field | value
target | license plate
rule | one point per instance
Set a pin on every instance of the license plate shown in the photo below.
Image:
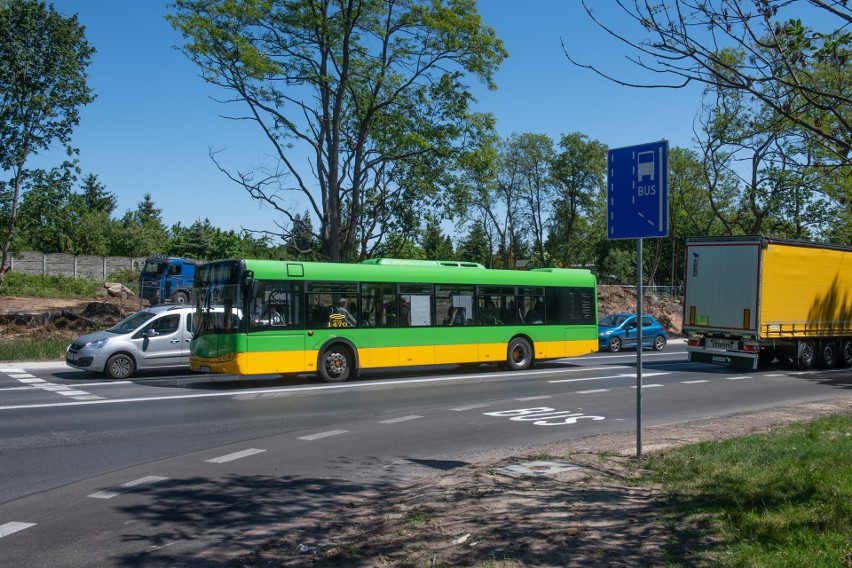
(722, 343)
(204, 369)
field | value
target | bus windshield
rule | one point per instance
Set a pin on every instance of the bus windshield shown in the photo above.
(219, 298)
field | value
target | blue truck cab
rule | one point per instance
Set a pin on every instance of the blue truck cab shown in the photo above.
(167, 279)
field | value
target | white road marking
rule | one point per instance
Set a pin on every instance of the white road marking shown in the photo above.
(621, 376)
(695, 382)
(323, 435)
(650, 386)
(125, 487)
(22, 376)
(533, 398)
(736, 378)
(32, 380)
(400, 419)
(11, 370)
(469, 407)
(593, 391)
(68, 392)
(9, 528)
(235, 456)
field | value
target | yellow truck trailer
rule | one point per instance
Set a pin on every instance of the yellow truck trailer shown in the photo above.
(749, 300)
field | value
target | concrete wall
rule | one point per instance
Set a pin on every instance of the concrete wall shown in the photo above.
(84, 266)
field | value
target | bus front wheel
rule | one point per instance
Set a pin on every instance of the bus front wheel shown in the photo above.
(520, 354)
(335, 364)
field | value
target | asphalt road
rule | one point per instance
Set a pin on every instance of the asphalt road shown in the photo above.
(184, 469)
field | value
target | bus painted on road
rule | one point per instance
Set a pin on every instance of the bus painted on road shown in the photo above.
(269, 317)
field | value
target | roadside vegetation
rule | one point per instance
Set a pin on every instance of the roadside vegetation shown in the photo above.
(29, 349)
(777, 499)
(51, 286)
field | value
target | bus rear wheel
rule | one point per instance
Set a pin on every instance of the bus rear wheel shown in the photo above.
(520, 355)
(335, 364)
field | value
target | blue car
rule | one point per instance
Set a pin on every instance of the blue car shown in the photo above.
(617, 331)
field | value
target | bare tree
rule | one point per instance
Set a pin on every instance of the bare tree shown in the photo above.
(800, 73)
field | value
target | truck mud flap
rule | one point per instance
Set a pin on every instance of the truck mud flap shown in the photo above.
(739, 360)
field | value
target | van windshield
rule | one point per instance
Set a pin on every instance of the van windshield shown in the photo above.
(129, 324)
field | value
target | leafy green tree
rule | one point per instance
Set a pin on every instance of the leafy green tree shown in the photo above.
(362, 86)
(533, 155)
(141, 232)
(89, 214)
(95, 196)
(199, 240)
(476, 246)
(43, 61)
(579, 179)
(397, 246)
(303, 243)
(436, 245)
(44, 223)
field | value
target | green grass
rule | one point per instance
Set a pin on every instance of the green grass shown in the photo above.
(34, 349)
(28, 285)
(769, 500)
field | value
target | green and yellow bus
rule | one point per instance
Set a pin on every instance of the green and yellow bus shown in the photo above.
(265, 317)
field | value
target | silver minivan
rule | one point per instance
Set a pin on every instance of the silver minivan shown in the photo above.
(154, 338)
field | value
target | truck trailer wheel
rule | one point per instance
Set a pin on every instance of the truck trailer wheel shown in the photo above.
(181, 297)
(807, 354)
(846, 353)
(828, 354)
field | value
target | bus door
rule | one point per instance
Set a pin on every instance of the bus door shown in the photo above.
(276, 338)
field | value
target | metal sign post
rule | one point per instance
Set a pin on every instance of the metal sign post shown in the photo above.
(639, 348)
(637, 208)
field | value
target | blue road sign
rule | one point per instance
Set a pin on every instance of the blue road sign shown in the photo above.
(638, 191)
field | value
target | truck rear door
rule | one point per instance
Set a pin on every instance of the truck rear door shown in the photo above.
(722, 287)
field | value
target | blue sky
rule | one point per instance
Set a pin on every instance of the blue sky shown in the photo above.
(154, 119)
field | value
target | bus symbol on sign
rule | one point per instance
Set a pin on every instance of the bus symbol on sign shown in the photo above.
(646, 166)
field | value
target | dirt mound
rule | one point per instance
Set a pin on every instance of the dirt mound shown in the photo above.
(105, 311)
(618, 299)
(60, 318)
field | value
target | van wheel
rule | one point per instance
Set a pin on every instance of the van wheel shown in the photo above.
(846, 353)
(335, 364)
(828, 355)
(120, 366)
(520, 355)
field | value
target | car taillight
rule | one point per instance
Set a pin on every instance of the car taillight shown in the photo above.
(694, 342)
(750, 347)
